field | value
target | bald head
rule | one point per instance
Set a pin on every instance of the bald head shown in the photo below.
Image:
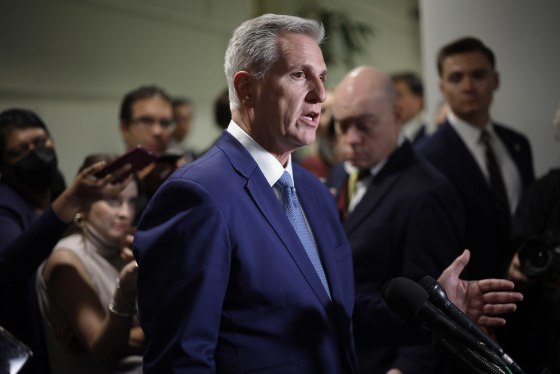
(360, 87)
(366, 115)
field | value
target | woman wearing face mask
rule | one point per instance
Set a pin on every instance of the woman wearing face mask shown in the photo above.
(83, 307)
(31, 222)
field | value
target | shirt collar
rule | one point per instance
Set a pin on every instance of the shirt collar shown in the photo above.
(467, 131)
(267, 163)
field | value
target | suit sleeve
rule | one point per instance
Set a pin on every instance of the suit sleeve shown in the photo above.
(183, 251)
(22, 249)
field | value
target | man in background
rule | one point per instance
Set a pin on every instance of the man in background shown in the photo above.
(146, 119)
(488, 164)
(401, 216)
(183, 114)
(410, 95)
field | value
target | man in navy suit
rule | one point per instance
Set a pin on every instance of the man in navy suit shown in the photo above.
(489, 190)
(225, 284)
(405, 219)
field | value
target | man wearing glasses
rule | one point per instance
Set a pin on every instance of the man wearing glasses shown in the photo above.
(146, 119)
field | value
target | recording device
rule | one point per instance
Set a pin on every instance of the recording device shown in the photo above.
(439, 298)
(410, 301)
(138, 158)
(539, 259)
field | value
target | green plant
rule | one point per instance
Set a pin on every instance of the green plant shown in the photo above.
(345, 37)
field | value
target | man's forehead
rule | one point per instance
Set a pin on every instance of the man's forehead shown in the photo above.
(471, 60)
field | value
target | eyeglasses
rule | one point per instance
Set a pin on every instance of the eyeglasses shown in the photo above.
(148, 121)
(22, 149)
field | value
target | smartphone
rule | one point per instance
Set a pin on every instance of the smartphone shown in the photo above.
(138, 158)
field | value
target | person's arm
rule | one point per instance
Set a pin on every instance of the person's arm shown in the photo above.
(183, 252)
(481, 300)
(22, 249)
(106, 335)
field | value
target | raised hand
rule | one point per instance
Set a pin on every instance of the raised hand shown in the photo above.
(87, 187)
(481, 300)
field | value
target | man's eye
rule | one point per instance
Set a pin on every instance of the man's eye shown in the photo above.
(298, 75)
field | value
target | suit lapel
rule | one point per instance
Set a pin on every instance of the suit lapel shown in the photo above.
(517, 152)
(266, 201)
(379, 186)
(462, 160)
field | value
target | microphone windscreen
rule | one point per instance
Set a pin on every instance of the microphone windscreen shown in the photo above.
(404, 297)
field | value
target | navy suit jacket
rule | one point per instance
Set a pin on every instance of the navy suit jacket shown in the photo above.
(409, 223)
(449, 154)
(26, 240)
(224, 284)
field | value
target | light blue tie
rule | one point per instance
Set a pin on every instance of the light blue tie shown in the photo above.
(295, 215)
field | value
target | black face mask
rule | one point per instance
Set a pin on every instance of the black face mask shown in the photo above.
(36, 170)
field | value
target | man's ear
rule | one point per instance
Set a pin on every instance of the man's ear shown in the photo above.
(243, 82)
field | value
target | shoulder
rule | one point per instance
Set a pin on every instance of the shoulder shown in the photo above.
(508, 133)
(64, 259)
(10, 198)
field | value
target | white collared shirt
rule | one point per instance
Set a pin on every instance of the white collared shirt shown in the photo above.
(471, 136)
(411, 128)
(363, 184)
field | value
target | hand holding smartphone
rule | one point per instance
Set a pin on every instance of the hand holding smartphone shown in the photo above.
(138, 158)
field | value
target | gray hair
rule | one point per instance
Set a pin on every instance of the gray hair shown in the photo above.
(253, 46)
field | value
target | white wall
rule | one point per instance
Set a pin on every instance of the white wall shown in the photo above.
(524, 36)
(73, 60)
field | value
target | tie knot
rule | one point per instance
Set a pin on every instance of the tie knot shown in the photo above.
(285, 182)
(485, 137)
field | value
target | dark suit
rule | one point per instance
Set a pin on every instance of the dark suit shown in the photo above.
(409, 223)
(225, 285)
(420, 135)
(484, 237)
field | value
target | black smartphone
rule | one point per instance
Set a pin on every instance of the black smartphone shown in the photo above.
(138, 158)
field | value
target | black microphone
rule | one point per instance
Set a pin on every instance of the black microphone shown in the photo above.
(410, 301)
(438, 296)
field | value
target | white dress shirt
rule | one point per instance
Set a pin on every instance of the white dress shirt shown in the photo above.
(470, 135)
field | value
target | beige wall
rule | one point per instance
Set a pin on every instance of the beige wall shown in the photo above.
(72, 60)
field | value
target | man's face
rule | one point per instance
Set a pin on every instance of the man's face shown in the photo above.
(19, 142)
(183, 115)
(367, 126)
(467, 84)
(151, 124)
(410, 104)
(288, 100)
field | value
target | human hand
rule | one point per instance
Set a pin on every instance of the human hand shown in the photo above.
(480, 300)
(126, 252)
(87, 187)
(127, 280)
(514, 271)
